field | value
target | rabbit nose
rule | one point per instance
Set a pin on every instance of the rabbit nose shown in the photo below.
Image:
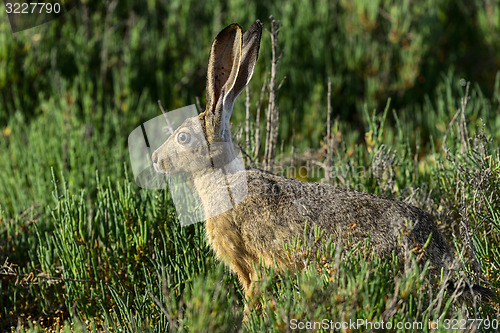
(155, 157)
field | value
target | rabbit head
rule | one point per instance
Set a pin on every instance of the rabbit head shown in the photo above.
(204, 141)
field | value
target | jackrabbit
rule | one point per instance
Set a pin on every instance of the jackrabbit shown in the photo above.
(274, 209)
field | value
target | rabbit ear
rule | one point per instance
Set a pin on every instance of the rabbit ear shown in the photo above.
(249, 55)
(223, 66)
(230, 67)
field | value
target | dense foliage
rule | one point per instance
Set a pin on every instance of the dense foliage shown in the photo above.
(79, 241)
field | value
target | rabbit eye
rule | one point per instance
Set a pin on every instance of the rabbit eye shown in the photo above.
(183, 138)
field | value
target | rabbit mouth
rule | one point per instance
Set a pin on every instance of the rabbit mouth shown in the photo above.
(160, 166)
(166, 167)
(158, 169)
(162, 163)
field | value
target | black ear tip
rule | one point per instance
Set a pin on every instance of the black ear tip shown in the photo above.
(254, 31)
(233, 26)
(256, 25)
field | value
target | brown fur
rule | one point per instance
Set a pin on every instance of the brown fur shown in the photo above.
(276, 209)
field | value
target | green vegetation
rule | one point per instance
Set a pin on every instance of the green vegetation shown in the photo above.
(82, 245)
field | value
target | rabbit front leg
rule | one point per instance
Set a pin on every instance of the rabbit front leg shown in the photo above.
(225, 240)
(248, 278)
(242, 264)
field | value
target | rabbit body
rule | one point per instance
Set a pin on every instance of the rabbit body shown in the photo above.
(276, 210)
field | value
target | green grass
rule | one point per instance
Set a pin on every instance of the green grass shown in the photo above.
(83, 247)
(94, 249)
